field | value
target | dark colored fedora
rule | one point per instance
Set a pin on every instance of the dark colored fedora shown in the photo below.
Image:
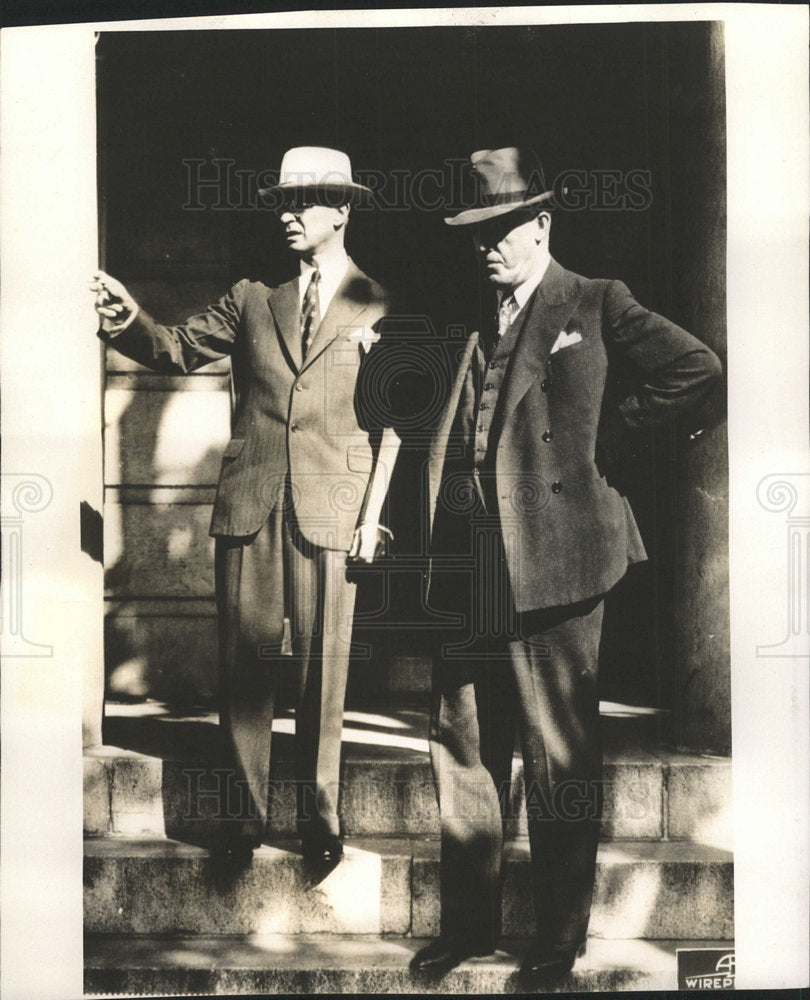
(508, 180)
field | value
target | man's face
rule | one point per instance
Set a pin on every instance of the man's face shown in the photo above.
(310, 227)
(511, 247)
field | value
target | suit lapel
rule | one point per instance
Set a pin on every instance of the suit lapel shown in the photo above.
(438, 447)
(284, 305)
(343, 310)
(545, 315)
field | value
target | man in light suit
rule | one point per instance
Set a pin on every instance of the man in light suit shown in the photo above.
(300, 492)
(526, 539)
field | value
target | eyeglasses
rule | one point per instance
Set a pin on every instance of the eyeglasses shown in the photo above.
(294, 207)
(490, 232)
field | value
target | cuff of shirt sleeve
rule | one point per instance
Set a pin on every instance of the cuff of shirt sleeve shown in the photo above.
(379, 527)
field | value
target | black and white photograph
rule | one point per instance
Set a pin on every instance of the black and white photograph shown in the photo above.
(402, 618)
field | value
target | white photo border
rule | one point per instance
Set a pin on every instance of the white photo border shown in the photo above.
(48, 247)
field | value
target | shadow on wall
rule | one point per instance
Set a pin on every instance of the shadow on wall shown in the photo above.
(160, 634)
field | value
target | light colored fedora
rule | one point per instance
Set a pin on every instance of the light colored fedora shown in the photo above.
(319, 170)
(508, 179)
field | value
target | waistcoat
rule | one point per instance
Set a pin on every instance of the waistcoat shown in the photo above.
(478, 412)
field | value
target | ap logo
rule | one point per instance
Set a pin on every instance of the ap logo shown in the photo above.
(705, 969)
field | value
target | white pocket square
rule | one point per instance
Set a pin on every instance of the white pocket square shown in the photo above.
(365, 336)
(565, 340)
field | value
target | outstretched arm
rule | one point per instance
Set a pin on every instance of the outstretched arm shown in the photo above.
(174, 350)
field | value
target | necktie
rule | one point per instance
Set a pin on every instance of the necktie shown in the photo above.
(310, 312)
(506, 313)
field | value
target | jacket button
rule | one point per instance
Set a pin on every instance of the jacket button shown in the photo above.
(547, 436)
(294, 427)
(487, 386)
(484, 406)
(545, 385)
(299, 387)
(556, 487)
(492, 364)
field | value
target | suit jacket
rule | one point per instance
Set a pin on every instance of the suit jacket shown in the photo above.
(307, 418)
(568, 535)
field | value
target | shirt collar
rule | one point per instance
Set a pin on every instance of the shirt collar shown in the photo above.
(332, 269)
(523, 292)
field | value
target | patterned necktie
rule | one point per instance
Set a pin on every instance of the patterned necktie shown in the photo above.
(506, 313)
(310, 312)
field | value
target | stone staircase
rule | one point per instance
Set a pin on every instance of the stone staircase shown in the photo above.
(161, 918)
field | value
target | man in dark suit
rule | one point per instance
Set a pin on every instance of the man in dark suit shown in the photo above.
(526, 539)
(300, 492)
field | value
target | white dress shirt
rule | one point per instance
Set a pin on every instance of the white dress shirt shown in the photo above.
(523, 292)
(333, 271)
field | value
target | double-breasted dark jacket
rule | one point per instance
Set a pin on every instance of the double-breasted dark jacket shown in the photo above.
(572, 535)
(304, 425)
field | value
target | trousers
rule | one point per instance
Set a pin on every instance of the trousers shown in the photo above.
(260, 579)
(531, 675)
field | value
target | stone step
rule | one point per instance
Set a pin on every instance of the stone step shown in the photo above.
(361, 964)
(644, 889)
(161, 777)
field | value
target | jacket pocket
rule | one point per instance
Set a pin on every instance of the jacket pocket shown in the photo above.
(572, 350)
(233, 448)
(359, 458)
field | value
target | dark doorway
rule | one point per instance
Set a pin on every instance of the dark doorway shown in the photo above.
(190, 121)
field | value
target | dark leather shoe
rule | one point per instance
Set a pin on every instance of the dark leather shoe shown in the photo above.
(547, 965)
(322, 854)
(235, 851)
(445, 953)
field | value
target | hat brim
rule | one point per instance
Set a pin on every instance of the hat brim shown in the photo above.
(471, 216)
(333, 194)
